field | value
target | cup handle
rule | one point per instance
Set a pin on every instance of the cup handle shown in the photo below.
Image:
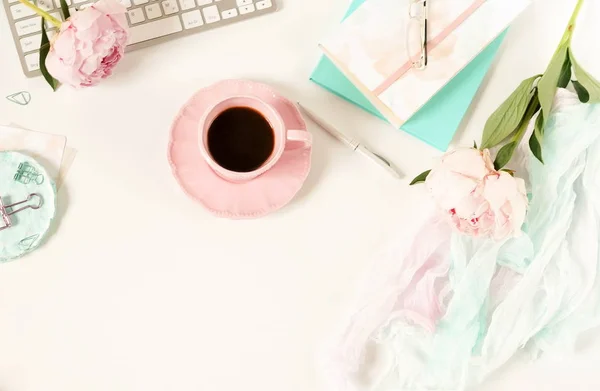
(297, 139)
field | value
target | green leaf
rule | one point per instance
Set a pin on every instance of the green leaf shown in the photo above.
(504, 155)
(511, 172)
(474, 144)
(582, 93)
(565, 73)
(536, 146)
(588, 81)
(506, 119)
(420, 178)
(549, 82)
(539, 124)
(65, 9)
(44, 49)
(537, 137)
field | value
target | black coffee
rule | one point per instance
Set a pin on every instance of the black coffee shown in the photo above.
(240, 139)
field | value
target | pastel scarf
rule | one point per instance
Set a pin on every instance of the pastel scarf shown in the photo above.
(441, 311)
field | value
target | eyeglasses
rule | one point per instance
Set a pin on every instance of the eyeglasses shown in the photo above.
(416, 36)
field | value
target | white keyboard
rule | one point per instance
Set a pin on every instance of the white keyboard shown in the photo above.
(150, 21)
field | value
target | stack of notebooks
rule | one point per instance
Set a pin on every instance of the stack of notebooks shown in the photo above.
(367, 63)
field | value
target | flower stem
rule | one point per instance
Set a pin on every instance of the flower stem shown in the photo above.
(571, 26)
(576, 13)
(533, 108)
(42, 13)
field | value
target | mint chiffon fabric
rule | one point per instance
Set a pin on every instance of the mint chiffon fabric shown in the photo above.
(441, 311)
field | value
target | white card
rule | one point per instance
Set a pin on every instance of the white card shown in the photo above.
(46, 148)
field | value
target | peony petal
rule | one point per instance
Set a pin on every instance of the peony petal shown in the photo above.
(91, 64)
(508, 200)
(468, 162)
(478, 200)
(85, 18)
(61, 72)
(90, 33)
(471, 207)
(90, 44)
(121, 21)
(449, 188)
(498, 188)
(110, 7)
(64, 45)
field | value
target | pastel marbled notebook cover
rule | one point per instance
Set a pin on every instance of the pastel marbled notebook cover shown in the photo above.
(369, 47)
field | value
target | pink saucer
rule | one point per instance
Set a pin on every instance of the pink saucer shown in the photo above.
(258, 197)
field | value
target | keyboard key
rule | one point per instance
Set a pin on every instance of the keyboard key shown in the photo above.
(136, 15)
(211, 14)
(243, 2)
(79, 1)
(170, 7)
(57, 16)
(187, 4)
(204, 2)
(57, 3)
(153, 11)
(247, 9)
(158, 28)
(261, 5)
(84, 6)
(31, 43)
(29, 26)
(20, 10)
(126, 3)
(228, 14)
(192, 19)
(33, 61)
(140, 2)
(45, 5)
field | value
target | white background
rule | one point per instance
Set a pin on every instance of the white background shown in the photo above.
(139, 288)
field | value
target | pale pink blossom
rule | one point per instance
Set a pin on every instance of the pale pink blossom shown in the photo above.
(89, 44)
(478, 200)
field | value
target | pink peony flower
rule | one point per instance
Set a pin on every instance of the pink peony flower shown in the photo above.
(477, 199)
(89, 44)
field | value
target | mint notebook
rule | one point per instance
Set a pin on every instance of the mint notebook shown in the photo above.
(437, 121)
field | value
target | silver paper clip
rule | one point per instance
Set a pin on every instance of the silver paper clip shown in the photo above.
(418, 20)
(6, 215)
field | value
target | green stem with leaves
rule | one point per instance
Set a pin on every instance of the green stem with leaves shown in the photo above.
(507, 125)
(42, 13)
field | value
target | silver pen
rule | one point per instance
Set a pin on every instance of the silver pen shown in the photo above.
(352, 143)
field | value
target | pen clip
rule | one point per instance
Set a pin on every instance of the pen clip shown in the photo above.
(386, 163)
(382, 159)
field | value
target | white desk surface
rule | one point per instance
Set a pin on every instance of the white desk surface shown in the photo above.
(140, 289)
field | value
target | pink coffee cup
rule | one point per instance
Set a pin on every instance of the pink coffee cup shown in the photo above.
(283, 138)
